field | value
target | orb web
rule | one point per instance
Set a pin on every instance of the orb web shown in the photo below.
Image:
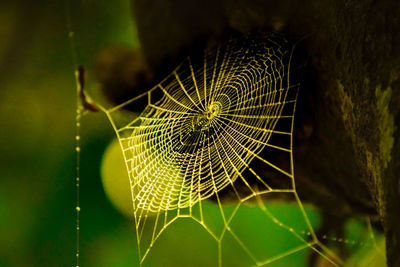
(218, 127)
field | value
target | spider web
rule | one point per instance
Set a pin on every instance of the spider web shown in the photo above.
(218, 127)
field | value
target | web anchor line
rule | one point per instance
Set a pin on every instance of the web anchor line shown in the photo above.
(84, 105)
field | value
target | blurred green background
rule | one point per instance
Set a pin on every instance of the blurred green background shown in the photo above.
(38, 160)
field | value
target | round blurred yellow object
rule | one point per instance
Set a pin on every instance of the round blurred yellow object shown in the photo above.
(116, 180)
